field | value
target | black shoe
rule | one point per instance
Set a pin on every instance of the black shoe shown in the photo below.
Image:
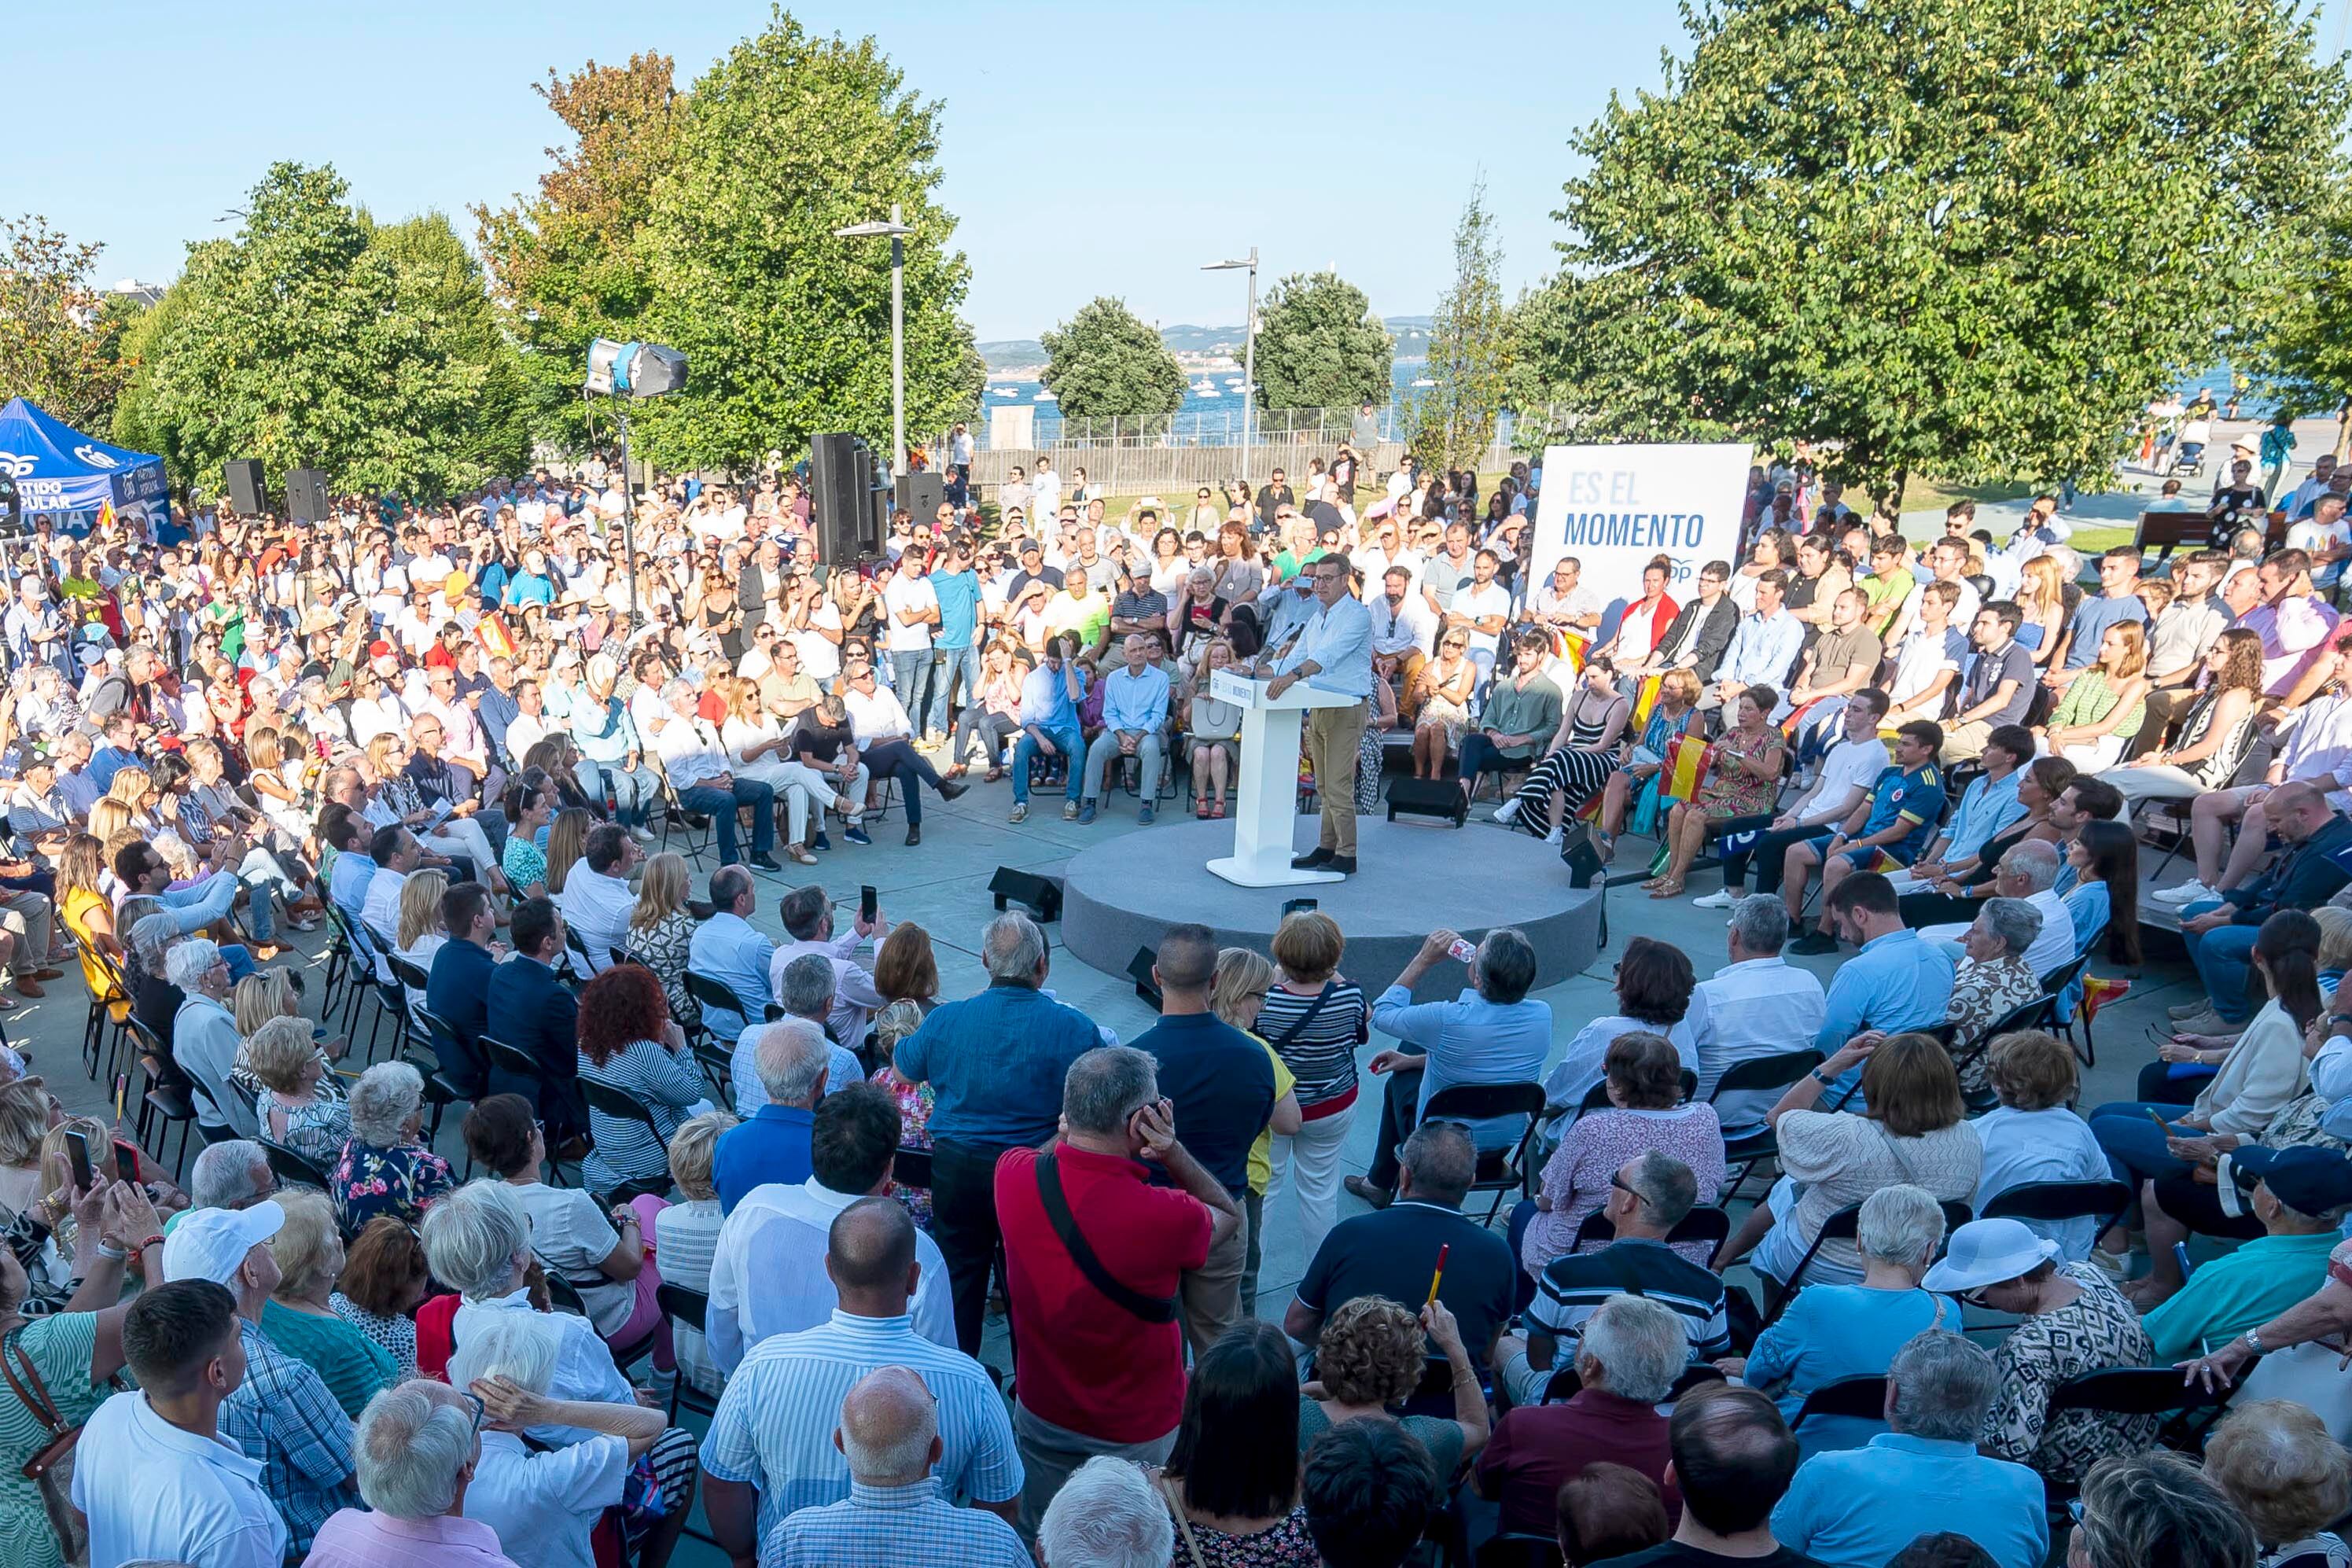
(766, 862)
(1813, 944)
(914, 834)
(1343, 864)
(1319, 856)
(949, 789)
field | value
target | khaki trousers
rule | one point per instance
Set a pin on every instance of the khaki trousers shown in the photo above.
(1333, 736)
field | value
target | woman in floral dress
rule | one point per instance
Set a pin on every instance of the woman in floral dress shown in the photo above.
(1746, 765)
(891, 1025)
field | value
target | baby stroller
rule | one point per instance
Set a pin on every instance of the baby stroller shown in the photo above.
(2188, 459)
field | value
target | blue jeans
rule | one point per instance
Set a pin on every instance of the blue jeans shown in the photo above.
(719, 806)
(1068, 742)
(2134, 1144)
(958, 677)
(267, 881)
(1481, 755)
(919, 693)
(634, 792)
(2224, 961)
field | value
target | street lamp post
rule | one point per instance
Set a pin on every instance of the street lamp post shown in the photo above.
(897, 233)
(1249, 350)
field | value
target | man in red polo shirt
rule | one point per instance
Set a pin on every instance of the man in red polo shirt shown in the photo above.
(1094, 1258)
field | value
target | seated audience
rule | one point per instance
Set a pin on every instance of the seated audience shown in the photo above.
(528, 1008)
(300, 1319)
(1607, 1512)
(2301, 1197)
(2034, 1135)
(2157, 1507)
(1655, 988)
(1645, 1111)
(1108, 1515)
(1368, 1361)
(387, 1168)
(418, 1454)
(1232, 1477)
(793, 1063)
(1756, 1003)
(1991, 982)
(385, 1281)
(630, 1044)
(2292, 1480)
(1732, 1461)
(686, 1235)
(285, 1058)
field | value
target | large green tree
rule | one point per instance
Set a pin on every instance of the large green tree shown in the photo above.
(1938, 236)
(1321, 346)
(564, 263)
(314, 338)
(61, 338)
(2303, 353)
(1105, 363)
(1470, 350)
(787, 329)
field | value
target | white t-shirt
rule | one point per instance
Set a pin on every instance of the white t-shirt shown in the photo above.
(907, 596)
(1473, 603)
(1850, 763)
(543, 1506)
(2312, 536)
(820, 656)
(572, 1236)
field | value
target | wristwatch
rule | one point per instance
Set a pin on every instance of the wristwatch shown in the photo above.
(1817, 1076)
(2253, 1338)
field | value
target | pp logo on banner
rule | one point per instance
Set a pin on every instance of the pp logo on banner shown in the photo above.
(18, 468)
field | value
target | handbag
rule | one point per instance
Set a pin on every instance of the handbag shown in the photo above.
(1168, 1495)
(51, 1468)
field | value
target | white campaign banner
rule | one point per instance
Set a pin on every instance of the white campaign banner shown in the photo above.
(1615, 508)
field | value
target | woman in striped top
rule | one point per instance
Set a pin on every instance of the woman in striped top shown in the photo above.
(628, 1044)
(1314, 1018)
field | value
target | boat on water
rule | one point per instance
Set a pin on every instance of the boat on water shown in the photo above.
(1004, 391)
(1043, 395)
(1206, 388)
(1425, 381)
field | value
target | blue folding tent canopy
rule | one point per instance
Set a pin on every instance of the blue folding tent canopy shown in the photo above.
(62, 473)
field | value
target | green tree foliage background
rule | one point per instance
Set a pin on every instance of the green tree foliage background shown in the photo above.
(1470, 350)
(1940, 236)
(61, 338)
(1319, 345)
(1105, 362)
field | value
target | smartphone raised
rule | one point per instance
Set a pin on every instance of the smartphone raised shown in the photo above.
(126, 1162)
(1295, 906)
(868, 903)
(78, 1160)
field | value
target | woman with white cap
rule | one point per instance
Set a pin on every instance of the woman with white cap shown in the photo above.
(2073, 1321)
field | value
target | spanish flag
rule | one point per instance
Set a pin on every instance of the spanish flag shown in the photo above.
(1687, 758)
(491, 632)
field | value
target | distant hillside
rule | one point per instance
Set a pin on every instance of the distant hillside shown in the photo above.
(1028, 353)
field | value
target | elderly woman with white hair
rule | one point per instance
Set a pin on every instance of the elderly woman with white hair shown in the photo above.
(417, 1450)
(387, 1167)
(520, 1363)
(205, 1038)
(2275, 1460)
(285, 1059)
(1991, 982)
(1830, 1332)
(1107, 1515)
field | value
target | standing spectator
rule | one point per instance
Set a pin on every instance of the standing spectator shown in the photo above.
(995, 1063)
(1733, 1461)
(1857, 1508)
(158, 1481)
(770, 1454)
(2073, 1321)
(1630, 1354)
(279, 1414)
(1489, 1033)
(1223, 1087)
(1314, 1017)
(1094, 1259)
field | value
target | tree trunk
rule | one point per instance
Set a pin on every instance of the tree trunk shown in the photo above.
(2343, 430)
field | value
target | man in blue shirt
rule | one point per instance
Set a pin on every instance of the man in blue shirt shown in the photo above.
(1857, 1508)
(957, 587)
(793, 1058)
(1135, 720)
(995, 1064)
(725, 948)
(1897, 982)
(2117, 601)
(1882, 834)
(1221, 1084)
(1049, 725)
(1986, 807)
(1762, 649)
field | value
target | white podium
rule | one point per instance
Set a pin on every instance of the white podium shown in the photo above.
(1266, 799)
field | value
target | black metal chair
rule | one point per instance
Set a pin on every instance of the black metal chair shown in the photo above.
(2103, 1200)
(675, 817)
(1864, 1397)
(2189, 1409)
(516, 1062)
(711, 993)
(1757, 1073)
(2055, 985)
(1498, 1170)
(295, 1170)
(1704, 1223)
(686, 1308)
(607, 1100)
(1842, 1226)
(911, 1169)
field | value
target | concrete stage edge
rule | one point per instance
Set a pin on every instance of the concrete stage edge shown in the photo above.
(1413, 876)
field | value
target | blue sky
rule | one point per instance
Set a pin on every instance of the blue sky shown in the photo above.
(1099, 148)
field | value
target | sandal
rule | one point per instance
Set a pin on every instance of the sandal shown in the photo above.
(1200, 808)
(799, 855)
(992, 776)
(1217, 810)
(1667, 891)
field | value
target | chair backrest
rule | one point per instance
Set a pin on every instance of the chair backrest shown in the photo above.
(2104, 1200)
(2066, 974)
(711, 993)
(621, 1107)
(562, 1295)
(1480, 1101)
(406, 972)
(511, 1059)
(2134, 1391)
(1698, 1374)
(911, 1168)
(293, 1167)
(1864, 1397)
(1705, 1223)
(1563, 1384)
(1778, 1071)
(689, 1307)
(623, 956)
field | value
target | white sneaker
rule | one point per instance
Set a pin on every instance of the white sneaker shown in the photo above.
(1721, 899)
(643, 835)
(1510, 812)
(2188, 892)
(1558, 834)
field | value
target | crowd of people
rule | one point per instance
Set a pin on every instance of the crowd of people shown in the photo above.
(729, 1147)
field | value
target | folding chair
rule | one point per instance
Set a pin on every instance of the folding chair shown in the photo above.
(1864, 1396)
(675, 816)
(1498, 1170)
(1705, 1223)
(293, 1169)
(2103, 1200)
(2188, 1408)
(2055, 985)
(1777, 1071)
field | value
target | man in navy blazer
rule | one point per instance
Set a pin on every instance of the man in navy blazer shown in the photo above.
(458, 988)
(530, 1009)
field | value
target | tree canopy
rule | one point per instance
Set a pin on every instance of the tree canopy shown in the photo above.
(1321, 346)
(313, 338)
(1936, 236)
(1105, 362)
(1470, 350)
(2303, 352)
(61, 338)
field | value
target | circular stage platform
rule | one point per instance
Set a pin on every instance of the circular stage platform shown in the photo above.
(1412, 879)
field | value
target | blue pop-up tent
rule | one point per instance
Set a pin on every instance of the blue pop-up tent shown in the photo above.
(58, 470)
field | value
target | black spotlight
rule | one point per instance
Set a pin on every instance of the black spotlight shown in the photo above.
(1040, 896)
(1139, 969)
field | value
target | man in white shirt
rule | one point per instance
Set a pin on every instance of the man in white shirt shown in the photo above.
(910, 610)
(807, 914)
(1757, 1004)
(419, 624)
(2300, 500)
(1045, 488)
(396, 854)
(596, 901)
(1484, 605)
(153, 1474)
(2028, 870)
(696, 761)
(1850, 771)
(768, 1274)
(1404, 631)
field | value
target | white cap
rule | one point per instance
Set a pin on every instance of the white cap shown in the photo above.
(211, 1243)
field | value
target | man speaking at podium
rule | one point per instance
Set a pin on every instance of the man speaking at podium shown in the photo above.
(1332, 652)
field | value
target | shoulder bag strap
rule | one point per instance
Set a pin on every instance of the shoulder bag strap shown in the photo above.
(1151, 1309)
(1169, 1494)
(24, 1382)
(1305, 1019)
